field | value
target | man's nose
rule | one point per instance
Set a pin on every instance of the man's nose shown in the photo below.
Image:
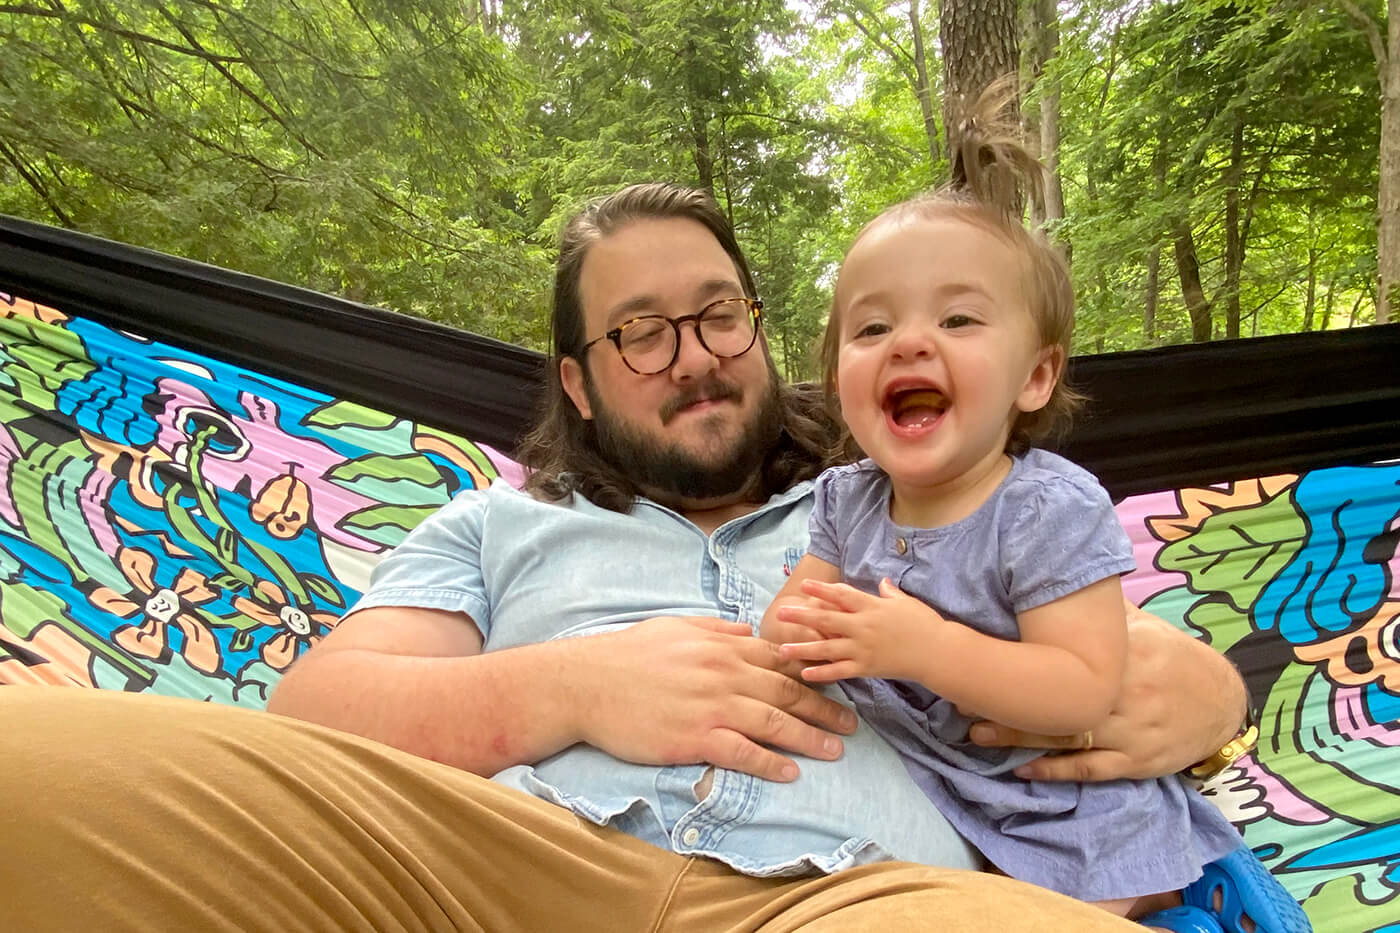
(692, 358)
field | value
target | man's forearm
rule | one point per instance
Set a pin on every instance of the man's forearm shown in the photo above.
(1219, 680)
(481, 713)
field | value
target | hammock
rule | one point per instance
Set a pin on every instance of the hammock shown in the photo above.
(199, 469)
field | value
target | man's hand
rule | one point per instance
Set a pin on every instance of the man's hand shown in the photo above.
(694, 690)
(862, 635)
(1180, 702)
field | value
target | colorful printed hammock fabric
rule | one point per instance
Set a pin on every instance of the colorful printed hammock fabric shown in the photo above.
(173, 523)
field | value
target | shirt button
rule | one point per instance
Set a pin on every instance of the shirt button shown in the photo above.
(690, 836)
(901, 546)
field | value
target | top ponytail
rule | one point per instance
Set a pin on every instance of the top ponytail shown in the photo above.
(991, 165)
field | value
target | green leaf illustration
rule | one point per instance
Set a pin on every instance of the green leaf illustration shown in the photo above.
(225, 581)
(348, 414)
(226, 542)
(324, 589)
(1238, 551)
(414, 467)
(1218, 623)
(386, 524)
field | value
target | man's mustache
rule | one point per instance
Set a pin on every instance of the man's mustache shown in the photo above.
(712, 391)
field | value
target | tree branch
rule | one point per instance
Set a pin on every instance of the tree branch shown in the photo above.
(36, 184)
(246, 91)
(62, 15)
(1373, 35)
(897, 55)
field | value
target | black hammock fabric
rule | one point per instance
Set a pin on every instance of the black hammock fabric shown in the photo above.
(199, 469)
(1159, 418)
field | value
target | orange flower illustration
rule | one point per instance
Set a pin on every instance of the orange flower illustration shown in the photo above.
(162, 607)
(300, 628)
(283, 507)
(136, 465)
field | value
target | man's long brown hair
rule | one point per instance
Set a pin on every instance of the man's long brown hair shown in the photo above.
(560, 453)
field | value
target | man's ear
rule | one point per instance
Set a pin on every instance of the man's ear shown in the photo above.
(571, 375)
(1040, 383)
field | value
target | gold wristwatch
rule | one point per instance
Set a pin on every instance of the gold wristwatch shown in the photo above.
(1232, 751)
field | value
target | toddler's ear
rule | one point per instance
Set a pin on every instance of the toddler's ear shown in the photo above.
(1040, 382)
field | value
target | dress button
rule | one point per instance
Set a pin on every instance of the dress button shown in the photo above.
(690, 836)
(901, 546)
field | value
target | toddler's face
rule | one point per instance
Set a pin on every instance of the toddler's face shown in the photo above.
(937, 350)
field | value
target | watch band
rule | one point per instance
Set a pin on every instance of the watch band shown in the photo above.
(1232, 751)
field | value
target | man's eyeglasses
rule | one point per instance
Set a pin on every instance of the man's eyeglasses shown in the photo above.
(650, 344)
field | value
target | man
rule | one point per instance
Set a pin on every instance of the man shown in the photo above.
(674, 776)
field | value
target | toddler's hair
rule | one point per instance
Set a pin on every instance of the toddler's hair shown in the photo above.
(992, 174)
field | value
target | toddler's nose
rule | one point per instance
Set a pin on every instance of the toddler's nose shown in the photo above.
(912, 342)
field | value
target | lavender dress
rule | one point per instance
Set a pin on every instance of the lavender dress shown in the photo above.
(1047, 531)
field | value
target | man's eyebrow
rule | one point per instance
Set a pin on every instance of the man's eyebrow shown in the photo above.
(632, 307)
(638, 305)
(714, 287)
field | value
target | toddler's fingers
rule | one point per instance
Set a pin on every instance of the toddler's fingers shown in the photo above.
(841, 595)
(830, 673)
(824, 649)
(1098, 764)
(827, 623)
(786, 632)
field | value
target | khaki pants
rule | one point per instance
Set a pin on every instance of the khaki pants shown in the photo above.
(133, 812)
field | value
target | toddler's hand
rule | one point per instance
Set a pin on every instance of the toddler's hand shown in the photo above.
(860, 634)
(779, 632)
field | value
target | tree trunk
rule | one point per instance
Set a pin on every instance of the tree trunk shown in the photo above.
(699, 126)
(1149, 300)
(979, 46)
(1047, 44)
(922, 89)
(1188, 269)
(1327, 305)
(1310, 301)
(1388, 195)
(1234, 243)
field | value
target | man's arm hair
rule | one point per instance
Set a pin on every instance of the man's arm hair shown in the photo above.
(417, 679)
(662, 691)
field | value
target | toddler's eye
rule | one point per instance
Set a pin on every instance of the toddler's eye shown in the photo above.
(872, 330)
(957, 320)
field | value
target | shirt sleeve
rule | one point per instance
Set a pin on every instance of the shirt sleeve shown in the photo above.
(439, 564)
(824, 540)
(1065, 536)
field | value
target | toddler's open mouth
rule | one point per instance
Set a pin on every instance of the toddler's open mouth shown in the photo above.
(914, 406)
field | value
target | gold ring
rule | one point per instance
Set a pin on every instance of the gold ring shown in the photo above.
(1088, 739)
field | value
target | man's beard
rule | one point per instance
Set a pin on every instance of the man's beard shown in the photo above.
(669, 470)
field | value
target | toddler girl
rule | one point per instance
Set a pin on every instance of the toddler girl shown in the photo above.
(977, 576)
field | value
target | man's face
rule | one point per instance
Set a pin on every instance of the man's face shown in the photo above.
(699, 431)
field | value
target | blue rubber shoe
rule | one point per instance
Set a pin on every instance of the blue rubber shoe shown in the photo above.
(1183, 919)
(1243, 887)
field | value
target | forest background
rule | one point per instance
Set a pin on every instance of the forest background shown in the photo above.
(1216, 169)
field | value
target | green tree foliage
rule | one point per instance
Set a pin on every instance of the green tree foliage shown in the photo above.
(1218, 159)
(360, 148)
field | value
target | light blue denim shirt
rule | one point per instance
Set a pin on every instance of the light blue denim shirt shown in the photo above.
(528, 571)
